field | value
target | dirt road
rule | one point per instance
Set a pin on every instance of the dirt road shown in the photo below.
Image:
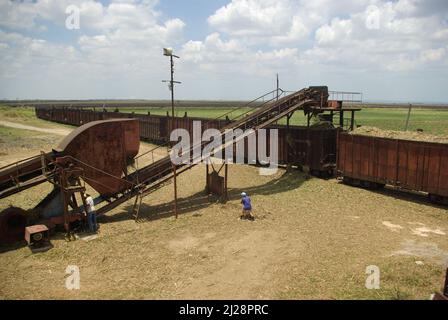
(57, 131)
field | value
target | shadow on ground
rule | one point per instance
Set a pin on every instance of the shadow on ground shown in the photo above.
(403, 194)
(290, 180)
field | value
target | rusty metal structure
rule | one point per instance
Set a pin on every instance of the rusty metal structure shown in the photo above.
(308, 146)
(100, 151)
(97, 153)
(374, 162)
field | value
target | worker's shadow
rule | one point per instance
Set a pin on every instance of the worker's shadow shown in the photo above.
(289, 180)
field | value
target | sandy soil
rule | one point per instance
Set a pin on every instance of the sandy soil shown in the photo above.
(311, 239)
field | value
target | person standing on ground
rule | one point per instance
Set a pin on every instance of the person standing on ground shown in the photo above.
(91, 214)
(247, 207)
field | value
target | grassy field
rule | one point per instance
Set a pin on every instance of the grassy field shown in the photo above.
(434, 121)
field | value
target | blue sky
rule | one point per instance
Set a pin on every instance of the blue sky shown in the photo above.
(389, 50)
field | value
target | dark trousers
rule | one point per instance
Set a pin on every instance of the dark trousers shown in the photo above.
(91, 220)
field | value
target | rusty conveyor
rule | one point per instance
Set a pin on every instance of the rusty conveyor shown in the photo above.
(152, 176)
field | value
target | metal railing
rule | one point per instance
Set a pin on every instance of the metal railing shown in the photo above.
(345, 96)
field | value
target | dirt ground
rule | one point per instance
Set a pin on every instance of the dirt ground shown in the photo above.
(311, 239)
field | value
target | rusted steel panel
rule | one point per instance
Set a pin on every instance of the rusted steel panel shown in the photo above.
(334, 104)
(414, 165)
(103, 146)
(349, 156)
(216, 184)
(13, 221)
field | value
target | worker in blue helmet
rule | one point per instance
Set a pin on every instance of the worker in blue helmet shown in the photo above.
(247, 207)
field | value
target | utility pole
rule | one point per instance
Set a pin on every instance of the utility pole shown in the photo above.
(169, 53)
(277, 86)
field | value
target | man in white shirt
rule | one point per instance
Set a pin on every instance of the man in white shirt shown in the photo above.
(91, 214)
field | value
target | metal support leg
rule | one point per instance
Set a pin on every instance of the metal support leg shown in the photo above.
(137, 205)
(226, 176)
(288, 133)
(352, 121)
(175, 189)
(207, 186)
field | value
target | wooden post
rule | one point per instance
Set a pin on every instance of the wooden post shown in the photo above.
(341, 119)
(175, 190)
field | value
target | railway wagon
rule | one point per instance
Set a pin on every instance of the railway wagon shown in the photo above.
(373, 162)
(313, 148)
(153, 128)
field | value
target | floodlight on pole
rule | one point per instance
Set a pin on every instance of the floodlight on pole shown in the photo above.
(169, 53)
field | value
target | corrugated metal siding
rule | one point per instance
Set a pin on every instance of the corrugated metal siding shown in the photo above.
(414, 165)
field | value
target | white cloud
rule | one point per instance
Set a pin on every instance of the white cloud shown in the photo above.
(433, 54)
(119, 43)
(336, 31)
(234, 56)
(263, 21)
(121, 40)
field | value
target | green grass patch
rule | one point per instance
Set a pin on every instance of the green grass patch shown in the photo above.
(8, 134)
(17, 112)
(434, 121)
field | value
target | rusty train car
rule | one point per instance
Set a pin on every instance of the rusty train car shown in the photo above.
(373, 162)
(313, 148)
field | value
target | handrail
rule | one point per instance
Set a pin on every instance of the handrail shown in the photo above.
(18, 162)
